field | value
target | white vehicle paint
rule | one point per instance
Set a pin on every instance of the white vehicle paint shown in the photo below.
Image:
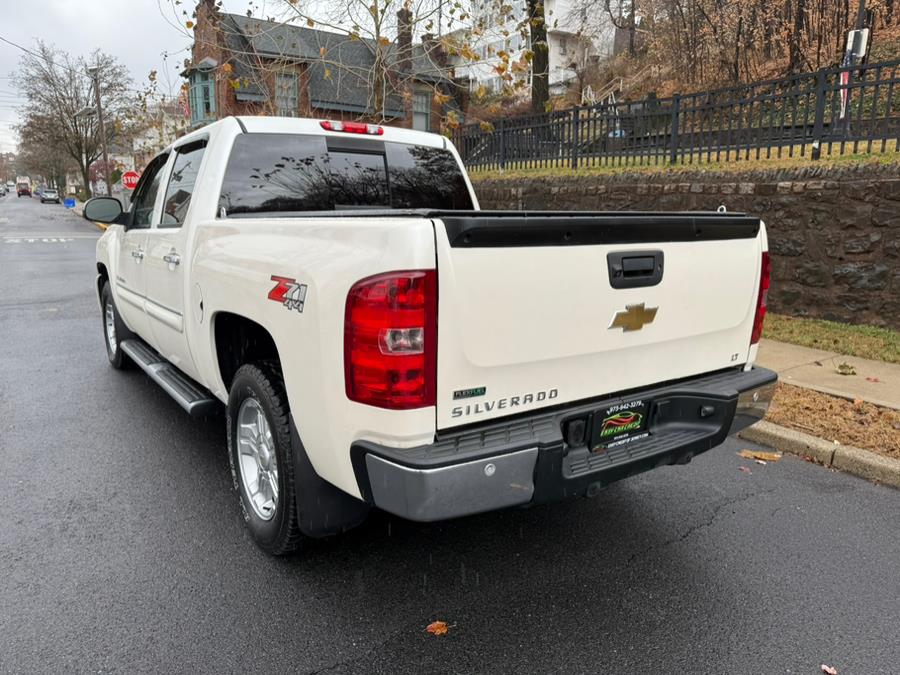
(522, 328)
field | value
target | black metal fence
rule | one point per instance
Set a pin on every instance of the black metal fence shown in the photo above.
(832, 111)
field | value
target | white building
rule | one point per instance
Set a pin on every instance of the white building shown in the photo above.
(575, 41)
(165, 122)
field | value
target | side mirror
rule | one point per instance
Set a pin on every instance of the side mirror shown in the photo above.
(103, 210)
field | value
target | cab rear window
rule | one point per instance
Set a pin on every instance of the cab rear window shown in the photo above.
(286, 173)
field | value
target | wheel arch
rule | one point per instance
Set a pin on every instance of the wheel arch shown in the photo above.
(102, 278)
(238, 340)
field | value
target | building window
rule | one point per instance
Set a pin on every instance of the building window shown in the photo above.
(563, 46)
(286, 103)
(202, 97)
(422, 111)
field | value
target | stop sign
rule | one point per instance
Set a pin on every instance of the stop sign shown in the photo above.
(130, 179)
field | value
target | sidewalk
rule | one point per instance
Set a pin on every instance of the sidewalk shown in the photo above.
(817, 369)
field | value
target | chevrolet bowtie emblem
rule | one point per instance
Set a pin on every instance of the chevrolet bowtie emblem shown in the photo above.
(633, 318)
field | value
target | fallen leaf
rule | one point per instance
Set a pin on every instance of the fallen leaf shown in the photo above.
(873, 379)
(759, 461)
(760, 454)
(858, 402)
(845, 368)
(437, 628)
(745, 469)
(818, 363)
(828, 670)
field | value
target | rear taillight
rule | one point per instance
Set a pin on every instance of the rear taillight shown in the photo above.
(390, 340)
(352, 127)
(765, 277)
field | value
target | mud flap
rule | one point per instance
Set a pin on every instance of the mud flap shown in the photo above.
(322, 509)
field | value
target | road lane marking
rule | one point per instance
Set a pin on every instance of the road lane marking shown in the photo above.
(37, 240)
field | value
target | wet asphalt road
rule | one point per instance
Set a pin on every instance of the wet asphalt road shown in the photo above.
(122, 548)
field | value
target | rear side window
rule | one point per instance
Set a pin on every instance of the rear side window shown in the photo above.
(181, 183)
(284, 173)
(424, 177)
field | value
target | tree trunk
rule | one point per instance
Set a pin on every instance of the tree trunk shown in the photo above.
(86, 179)
(795, 55)
(540, 62)
(631, 30)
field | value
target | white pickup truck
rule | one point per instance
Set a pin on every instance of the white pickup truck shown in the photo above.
(379, 341)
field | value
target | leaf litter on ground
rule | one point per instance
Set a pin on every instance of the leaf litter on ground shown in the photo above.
(760, 455)
(438, 628)
(845, 368)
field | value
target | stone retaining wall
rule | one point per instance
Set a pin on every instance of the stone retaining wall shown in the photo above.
(834, 234)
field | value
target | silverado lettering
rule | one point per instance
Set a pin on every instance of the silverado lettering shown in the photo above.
(501, 403)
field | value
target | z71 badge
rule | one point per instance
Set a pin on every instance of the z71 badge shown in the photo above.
(288, 292)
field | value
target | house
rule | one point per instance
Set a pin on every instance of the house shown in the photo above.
(575, 42)
(247, 66)
(164, 122)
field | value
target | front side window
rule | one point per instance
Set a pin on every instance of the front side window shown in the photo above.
(145, 193)
(181, 183)
(287, 173)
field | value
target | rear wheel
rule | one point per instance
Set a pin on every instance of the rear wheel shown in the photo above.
(114, 330)
(259, 449)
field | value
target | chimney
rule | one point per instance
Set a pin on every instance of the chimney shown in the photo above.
(434, 49)
(404, 41)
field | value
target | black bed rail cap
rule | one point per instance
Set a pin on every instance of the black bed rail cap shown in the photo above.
(486, 229)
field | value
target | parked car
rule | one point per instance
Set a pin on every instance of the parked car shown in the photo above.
(10, 185)
(2, 190)
(49, 195)
(377, 340)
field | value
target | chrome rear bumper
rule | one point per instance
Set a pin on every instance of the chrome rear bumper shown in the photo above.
(533, 459)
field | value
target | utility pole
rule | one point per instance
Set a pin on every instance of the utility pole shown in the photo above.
(95, 76)
(861, 15)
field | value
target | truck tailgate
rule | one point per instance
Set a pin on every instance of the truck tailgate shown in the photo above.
(530, 314)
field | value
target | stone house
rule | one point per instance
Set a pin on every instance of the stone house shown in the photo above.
(246, 66)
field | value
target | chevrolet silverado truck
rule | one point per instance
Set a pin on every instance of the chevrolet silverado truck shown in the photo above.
(377, 340)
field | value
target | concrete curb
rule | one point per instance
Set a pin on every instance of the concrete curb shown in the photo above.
(845, 458)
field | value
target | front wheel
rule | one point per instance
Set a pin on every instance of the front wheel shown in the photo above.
(259, 450)
(114, 330)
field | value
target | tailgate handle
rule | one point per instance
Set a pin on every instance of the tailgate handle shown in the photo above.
(638, 267)
(634, 269)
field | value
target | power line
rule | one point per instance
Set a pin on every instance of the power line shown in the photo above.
(75, 70)
(43, 58)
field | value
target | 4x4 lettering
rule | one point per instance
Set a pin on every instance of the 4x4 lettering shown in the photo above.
(288, 292)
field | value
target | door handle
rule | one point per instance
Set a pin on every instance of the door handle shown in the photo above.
(137, 253)
(172, 258)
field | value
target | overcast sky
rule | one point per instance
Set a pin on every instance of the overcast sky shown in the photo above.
(136, 32)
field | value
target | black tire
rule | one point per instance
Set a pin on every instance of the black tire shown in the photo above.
(280, 534)
(117, 358)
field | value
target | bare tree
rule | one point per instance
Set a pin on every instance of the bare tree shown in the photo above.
(60, 100)
(40, 156)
